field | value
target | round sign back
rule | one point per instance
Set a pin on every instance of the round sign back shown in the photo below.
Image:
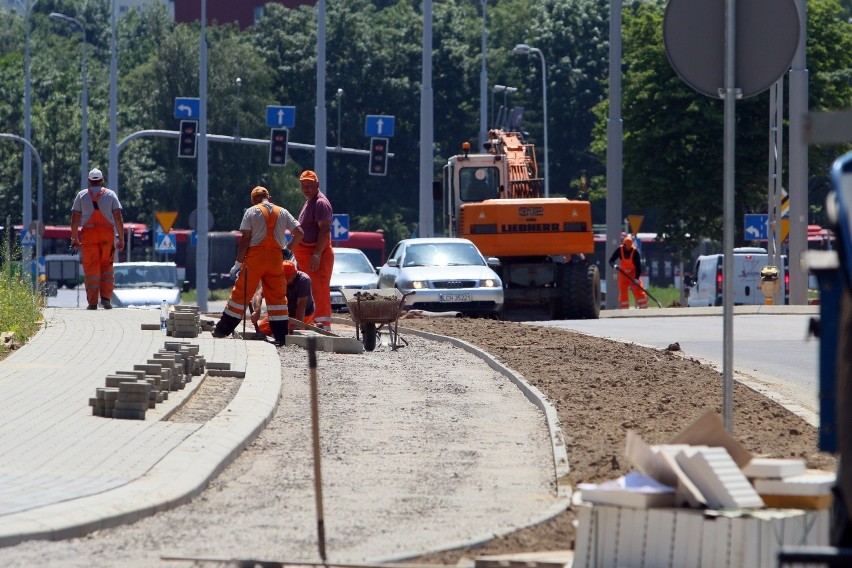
(767, 35)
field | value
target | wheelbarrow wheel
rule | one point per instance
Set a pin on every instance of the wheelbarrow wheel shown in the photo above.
(368, 335)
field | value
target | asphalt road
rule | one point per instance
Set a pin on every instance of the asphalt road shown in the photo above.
(770, 350)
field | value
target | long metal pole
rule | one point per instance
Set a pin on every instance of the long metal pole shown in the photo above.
(315, 438)
(483, 82)
(113, 105)
(84, 156)
(28, 163)
(730, 94)
(614, 129)
(544, 95)
(425, 227)
(321, 118)
(201, 258)
(799, 167)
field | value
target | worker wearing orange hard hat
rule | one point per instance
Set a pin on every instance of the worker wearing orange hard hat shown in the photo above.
(263, 238)
(629, 272)
(314, 254)
(300, 300)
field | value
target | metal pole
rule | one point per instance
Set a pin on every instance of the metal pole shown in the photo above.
(320, 126)
(28, 164)
(425, 227)
(729, 95)
(113, 105)
(483, 82)
(544, 95)
(315, 437)
(614, 130)
(201, 253)
(339, 102)
(798, 184)
(31, 148)
(239, 84)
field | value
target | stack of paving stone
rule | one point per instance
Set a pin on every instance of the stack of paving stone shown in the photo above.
(184, 321)
(129, 394)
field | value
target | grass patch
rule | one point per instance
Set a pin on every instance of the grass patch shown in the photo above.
(20, 306)
(214, 295)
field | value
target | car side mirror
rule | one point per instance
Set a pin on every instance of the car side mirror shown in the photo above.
(393, 263)
(493, 262)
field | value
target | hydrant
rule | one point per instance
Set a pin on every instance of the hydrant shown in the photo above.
(769, 283)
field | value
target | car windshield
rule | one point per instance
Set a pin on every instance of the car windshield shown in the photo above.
(145, 276)
(351, 263)
(442, 254)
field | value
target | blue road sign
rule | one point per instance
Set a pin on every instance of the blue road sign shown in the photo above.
(379, 125)
(166, 243)
(280, 116)
(27, 239)
(187, 107)
(193, 239)
(340, 227)
(756, 226)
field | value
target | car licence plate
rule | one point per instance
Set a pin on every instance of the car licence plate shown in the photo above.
(454, 297)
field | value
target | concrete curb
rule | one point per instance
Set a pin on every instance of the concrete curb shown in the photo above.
(178, 477)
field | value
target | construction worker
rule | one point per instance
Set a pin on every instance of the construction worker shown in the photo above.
(300, 300)
(97, 229)
(314, 254)
(262, 244)
(629, 271)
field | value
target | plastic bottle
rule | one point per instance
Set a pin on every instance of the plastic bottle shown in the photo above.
(164, 316)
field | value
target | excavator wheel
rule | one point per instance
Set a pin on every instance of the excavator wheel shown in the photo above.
(581, 291)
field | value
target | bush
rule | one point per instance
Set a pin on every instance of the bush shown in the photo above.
(20, 305)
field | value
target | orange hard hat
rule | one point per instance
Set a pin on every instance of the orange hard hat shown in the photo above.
(259, 191)
(289, 268)
(308, 175)
(628, 240)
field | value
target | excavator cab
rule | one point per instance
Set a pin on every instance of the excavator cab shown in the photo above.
(479, 184)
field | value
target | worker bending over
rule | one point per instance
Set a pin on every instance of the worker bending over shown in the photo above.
(300, 300)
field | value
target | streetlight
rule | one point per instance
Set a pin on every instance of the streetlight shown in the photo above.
(524, 49)
(28, 183)
(239, 84)
(84, 159)
(339, 97)
(506, 92)
(483, 82)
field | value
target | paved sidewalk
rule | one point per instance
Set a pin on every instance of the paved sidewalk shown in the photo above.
(65, 472)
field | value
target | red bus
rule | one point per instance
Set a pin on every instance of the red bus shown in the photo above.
(372, 243)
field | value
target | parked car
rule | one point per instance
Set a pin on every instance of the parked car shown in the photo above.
(146, 284)
(706, 284)
(352, 269)
(445, 274)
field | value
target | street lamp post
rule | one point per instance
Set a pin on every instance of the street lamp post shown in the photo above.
(506, 92)
(27, 6)
(239, 84)
(483, 82)
(339, 98)
(524, 49)
(84, 159)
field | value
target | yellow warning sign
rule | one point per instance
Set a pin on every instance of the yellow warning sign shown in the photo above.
(785, 228)
(166, 219)
(635, 221)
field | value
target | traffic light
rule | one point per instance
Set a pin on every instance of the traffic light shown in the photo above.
(188, 130)
(378, 156)
(278, 147)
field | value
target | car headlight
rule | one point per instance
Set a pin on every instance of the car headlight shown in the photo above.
(490, 283)
(419, 284)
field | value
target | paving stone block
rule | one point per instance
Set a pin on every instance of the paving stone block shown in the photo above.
(129, 414)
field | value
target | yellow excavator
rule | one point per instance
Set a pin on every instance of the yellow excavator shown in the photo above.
(543, 244)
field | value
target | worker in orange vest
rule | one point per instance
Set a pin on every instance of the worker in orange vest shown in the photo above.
(98, 210)
(300, 300)
(262, 243)
(314, 254)
(629, 272)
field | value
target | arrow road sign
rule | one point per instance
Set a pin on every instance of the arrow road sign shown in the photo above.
(186, 107)
(379, 125)
(756, 227)
(340, 227)
(280, 116)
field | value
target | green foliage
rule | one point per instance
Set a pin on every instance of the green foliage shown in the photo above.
(20, 306)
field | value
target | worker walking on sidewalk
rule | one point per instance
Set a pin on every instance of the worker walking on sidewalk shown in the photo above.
(629, 272)
(314, 254)
(97, 229)
(263, 239)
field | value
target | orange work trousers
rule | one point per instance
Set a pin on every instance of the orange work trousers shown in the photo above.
(626, 283)
(98, 253)
(320, 279)
(262, 265)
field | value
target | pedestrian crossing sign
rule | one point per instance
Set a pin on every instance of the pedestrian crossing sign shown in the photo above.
(27, 239)
(166, 243)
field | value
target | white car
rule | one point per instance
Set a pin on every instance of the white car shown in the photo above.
(146, 284)
(445, 274)
(352, 270)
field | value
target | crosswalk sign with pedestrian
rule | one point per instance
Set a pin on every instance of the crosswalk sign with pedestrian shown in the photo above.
(27, 239)
(166, 243)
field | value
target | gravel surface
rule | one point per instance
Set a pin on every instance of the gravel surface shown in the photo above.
(422, 448)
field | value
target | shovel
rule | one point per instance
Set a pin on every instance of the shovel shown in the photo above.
(638, 283)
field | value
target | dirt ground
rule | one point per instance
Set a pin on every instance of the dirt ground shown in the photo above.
(602, 389)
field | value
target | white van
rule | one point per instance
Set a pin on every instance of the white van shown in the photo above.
(705, 285)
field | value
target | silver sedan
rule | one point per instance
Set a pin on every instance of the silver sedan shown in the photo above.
(445, 274)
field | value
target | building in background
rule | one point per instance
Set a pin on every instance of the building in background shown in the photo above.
(244, 13)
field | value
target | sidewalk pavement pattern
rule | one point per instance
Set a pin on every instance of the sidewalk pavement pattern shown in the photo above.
(65, 472)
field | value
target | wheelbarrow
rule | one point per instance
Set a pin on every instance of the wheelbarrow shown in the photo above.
(372, 310)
